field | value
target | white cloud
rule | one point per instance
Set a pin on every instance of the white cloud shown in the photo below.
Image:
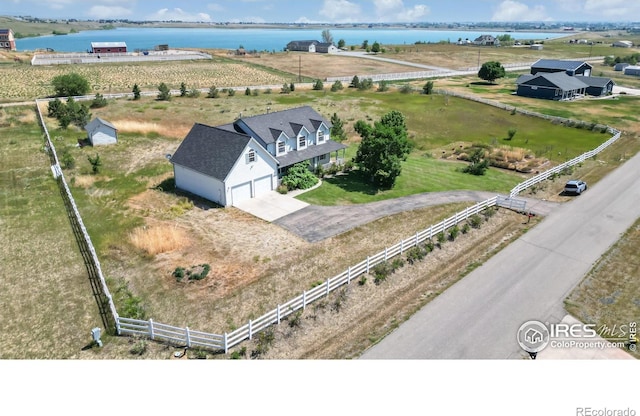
(214, 7)
(179, 14)
(514, 11)
(341, 11)
(395, 11)
(612, 8)
(108, 12)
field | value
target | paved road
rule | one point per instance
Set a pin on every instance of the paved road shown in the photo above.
(315, 223)
(479, 316)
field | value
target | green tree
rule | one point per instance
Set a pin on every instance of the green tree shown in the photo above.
(478, 165)
(55, 107)
(355, 82)
(164, 94)
(286, 89)
(365, 84)
(292, 87)
(70, 85)
(383, 148)
(213, 92)
(99, 101)
(136, 92)
(383, 86)
(68, 161)
(428, 88)
(247, 92)
(318, 85)
(491, 71)
(95, 162)
(337, 86)
(337, 128)
(183, 89)
(375, 48)
(341, 43)
(365, 44)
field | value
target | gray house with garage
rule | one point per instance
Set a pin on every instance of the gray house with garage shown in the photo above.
(572, 68)
(234, 162)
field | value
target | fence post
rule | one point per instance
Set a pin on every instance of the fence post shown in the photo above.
(250, 330)
(188, 335)
(151, 335)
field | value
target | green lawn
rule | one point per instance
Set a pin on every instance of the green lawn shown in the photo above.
(419, 174)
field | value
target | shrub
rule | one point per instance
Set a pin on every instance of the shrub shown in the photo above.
(95, 163)
(286, 89)
(318, 85)
(428, 88)
(383, 86)
(441, 238)
(465, 228)
(99, 101)
(396, 264)
(295, 320)
(475, 221)
(282, 189)
(213, 92)
(488, 213)
(231, 92)
(453, 232)
(265, 341)
(68, 161)
(138, 348)
(178, 273)
(194, 93)
(365, 84)
(363, 280)
(381, 272)
(406, 89)
(183, 89)
(511, 133)
(164, 93)
(299, 177)
(415, 254)
(337, 86)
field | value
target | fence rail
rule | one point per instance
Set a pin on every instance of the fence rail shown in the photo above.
(223, 342)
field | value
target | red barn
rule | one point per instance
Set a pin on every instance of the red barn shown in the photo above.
(108, 47)
(7, 40)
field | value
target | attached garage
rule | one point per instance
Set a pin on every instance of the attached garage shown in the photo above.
(240, 193)
(263, 185)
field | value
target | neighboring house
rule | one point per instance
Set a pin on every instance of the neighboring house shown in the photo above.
(101, 132)
(108, 47)
(621, 66)
(302, 46)
(632, 70)
(486, 40)
(326, 48)
(537, 47)
(238, 161)
(560, 86)
(7, 40)
(556, 65)
(550, 86)
(598, 86)
(622, 44)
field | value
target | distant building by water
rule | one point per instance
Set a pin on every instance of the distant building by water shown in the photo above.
(7, 40)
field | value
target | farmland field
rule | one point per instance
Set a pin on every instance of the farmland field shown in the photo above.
(254, 264)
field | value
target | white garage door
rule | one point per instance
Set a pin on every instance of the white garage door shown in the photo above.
(240, 193)
(262, 185)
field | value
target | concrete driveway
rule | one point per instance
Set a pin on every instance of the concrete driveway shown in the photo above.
(271, 206)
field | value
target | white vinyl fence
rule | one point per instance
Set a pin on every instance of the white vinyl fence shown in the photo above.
(223, 342)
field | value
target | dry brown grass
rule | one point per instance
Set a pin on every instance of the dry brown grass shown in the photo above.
(159, 239)
(145, 127)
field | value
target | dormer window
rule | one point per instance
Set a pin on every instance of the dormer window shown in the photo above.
(302, 142)
(281, 148)
(251, 156)
(320, 136)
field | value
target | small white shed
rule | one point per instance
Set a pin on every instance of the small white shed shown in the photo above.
(101, 132)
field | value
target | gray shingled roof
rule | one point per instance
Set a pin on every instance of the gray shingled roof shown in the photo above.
(596, 81)
(210, 150)
(268, 127)
(98, 120)
(558, 64)
(553, 79)
(292, 158)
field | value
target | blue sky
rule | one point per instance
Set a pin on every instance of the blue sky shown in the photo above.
(331, 11)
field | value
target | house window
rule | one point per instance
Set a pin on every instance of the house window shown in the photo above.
(302, 142)
(320, 136)
(322, 158)
(281, 148)
(251, 156)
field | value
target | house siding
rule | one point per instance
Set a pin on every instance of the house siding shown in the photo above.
(102, 135)
(248, 172)
(538, 92)
(199, 184)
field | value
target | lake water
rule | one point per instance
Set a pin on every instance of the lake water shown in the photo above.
(250, 38)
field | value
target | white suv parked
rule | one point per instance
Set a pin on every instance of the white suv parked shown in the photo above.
(575, 187)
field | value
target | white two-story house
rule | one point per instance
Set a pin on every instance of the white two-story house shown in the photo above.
(234, 162)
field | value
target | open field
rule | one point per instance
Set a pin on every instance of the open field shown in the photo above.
(609, 296)
(254, 265)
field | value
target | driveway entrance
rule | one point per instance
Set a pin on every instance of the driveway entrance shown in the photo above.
(271, 205)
